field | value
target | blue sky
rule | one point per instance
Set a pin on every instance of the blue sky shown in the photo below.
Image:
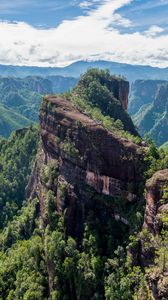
(37, 12)
(51, 13)
(58, 32)
(146, 13)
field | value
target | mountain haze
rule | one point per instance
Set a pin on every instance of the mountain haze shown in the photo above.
(20, 99)
(131, 72)
(148, 107)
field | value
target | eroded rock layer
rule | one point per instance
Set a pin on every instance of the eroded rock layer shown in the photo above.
(157, 201)
(85, 156)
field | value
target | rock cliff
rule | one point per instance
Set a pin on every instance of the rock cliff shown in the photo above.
(157, 201)
(154, 235)
(80, 235)
(149, 108)
(83, 156)
(120, 89)
(143, 92)
(107, 93)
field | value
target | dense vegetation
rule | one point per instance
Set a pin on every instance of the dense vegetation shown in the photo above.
(164, 146)
(20, 99)
(93, 95)
(38, 258)
(11, 120)
(97, 267)
(16, 159)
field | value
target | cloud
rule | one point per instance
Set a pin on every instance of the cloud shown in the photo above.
(85, 4)
(96, 35)
(88, 4)
(154, 30)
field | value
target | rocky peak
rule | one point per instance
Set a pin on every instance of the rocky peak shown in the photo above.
(86, 156)
(153, 237)
(157, 201)
(120, 90)
(107, 93)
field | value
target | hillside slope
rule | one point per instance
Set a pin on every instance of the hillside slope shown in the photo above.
(148, 107)
(11, 120)
(20, 99)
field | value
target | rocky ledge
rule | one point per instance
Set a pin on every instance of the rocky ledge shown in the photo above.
(157, 201)
(86, 156)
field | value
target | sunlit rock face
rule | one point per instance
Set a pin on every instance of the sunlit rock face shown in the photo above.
(87, 157)
(157, 201)
(155, 224)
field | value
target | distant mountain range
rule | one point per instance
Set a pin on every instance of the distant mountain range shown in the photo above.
(131, 72)
(20, 99)
(148, 107)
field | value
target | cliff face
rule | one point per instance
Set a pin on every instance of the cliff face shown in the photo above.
(143, 92)
(85, 203)
(84, 173)
(161, 97)
(120, 89)
(107, 93)
(154, 241)
(157, 201)
(85, 156)
(149, 108)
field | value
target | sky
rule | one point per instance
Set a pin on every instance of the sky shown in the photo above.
(59, 32)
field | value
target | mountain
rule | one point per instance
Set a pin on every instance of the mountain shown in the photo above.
(20, 99)
(61, 84)
(75, 221)
(99, 94)
(11, 120)
(131, 72)
(148, 107)
(23, 95)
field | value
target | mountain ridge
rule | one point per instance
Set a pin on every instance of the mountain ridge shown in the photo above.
(73, 202)
(21, 97)
(148, 107)
(131, 72)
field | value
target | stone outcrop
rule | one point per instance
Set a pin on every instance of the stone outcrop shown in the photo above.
(107, 93)
(157, 201)
(161, 97)
(120, 89)
(152, 241)
(87, 157)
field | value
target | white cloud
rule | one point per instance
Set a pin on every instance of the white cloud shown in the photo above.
(85, 4)
(94, 35)
(154, 30)
(88, 4)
